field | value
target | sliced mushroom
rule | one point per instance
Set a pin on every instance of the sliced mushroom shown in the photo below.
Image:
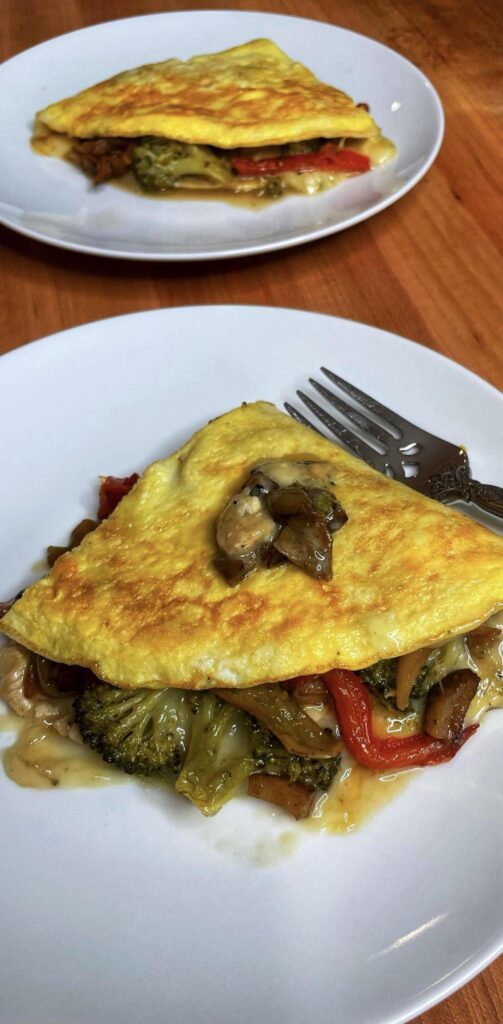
(234, 570)
(305, 538)
(245, 529)
(447, 704)
(281, 714)
(308, 691)
(293, 797)
(259, 483)
(481, 639)
(244, 525)
(55, 679)
(271, 521)
(18, 686)
(327, 504)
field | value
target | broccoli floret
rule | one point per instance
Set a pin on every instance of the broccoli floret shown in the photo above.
(271, 757)
(273, 188)
(381, 678)
(140, 731)
(159, 163)
(227, 745)
(219, 756)
(209, 744)
(421, 685)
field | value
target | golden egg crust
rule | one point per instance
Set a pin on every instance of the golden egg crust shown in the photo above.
(141, 603)
(250, 95)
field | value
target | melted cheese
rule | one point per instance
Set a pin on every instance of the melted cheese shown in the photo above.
(41, 759)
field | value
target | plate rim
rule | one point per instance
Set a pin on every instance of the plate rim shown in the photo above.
(253, 249)
(46, 339)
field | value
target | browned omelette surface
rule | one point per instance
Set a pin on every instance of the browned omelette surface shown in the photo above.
(250, 95)
(141, 603)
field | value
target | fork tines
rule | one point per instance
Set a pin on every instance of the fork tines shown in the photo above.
(378, 437)
(393, 420)
(351, 440)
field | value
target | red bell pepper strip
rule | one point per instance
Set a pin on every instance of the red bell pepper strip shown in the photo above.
(354, 712)
(328, 158)
(112, 489)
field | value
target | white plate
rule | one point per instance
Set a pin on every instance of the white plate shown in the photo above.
(48, 199)
(125, 904)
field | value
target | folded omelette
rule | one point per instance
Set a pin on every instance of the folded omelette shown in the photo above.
(143, 602)
(245, 119)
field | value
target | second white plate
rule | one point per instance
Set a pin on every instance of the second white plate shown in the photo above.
(54, 202)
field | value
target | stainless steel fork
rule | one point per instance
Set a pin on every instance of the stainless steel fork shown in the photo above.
(397, 447)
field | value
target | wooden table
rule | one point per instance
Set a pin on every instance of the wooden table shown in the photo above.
(428, 268)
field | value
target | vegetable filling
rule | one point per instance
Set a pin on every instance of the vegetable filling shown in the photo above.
(160, 165)
(282, 739)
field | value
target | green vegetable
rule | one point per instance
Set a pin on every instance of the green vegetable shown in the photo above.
(209, 744)
(305, 146)
(159, 163)
(271, 757)
(219, 755)
(381, 678)
(140, 731)
(273, 188)
(422, 684)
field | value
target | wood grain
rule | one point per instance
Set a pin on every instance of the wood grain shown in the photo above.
(429, 267)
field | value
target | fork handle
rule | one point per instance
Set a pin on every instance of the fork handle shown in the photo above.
(486, 496)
